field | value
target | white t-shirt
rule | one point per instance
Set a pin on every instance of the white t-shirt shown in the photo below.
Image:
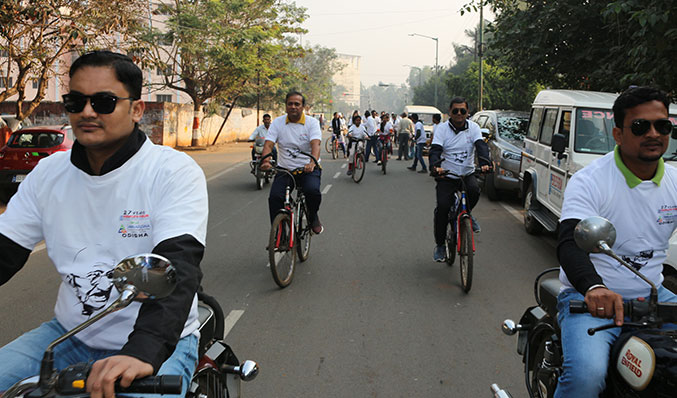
(458, 149)
(644, 217)
(422, 138)
(358, 132)
(90, 223)
(371, 126)
(292, 138)
(259, 132)
(387, 129)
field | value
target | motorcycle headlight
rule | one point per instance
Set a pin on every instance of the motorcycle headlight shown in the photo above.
(511, 155)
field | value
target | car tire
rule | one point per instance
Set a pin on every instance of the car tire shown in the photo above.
(490, 188)
(531, 225)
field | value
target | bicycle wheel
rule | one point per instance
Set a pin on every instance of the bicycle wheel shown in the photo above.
(451, 242)
(358, 167)
(384, 158)
(465, 253)
(303, 234)
(334, 150)
(282, 257)
(327, 145)
(259, 178)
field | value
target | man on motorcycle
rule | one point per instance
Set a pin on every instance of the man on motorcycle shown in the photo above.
(634, 189)
(260, 134)
(113, 195)
(295, 132)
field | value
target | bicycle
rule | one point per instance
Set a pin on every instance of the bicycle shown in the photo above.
(385, 149)
(357, 164)
(290, 232)
(460, 236)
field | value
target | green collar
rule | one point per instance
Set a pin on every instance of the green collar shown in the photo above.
(631, 179)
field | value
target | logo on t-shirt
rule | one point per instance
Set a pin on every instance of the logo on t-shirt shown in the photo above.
(667, 214)
(640, 260)
(134, 224)
(459, 157)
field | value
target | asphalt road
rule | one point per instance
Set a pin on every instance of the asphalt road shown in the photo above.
(369, 314)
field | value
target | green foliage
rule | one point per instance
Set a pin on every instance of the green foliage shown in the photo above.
(582, 44)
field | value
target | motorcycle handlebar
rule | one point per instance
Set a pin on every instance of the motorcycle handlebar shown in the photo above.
(634, 309)
(167, 384)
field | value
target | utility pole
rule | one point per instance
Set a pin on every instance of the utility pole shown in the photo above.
(481, 55)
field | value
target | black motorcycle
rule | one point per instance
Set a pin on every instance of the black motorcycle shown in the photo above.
(644, 357)
(260, 175)
(138, 278)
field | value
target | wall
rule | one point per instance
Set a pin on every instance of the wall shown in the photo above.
(165, 123)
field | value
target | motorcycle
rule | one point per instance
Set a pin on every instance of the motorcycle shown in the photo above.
(643, 358)
(139, 278)
(261, 175)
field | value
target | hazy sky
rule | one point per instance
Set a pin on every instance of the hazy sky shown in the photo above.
(377, 30)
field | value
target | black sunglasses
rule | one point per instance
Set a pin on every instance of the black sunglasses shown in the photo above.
(639, 127)
(102, 103)
(455, 111)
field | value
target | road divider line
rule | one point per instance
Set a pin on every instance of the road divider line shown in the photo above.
(230, 321)
(515, 213)
(228, 170)
(344, 165)
(337, 175)
(326, 189)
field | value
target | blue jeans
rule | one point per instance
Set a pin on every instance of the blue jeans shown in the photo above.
(21, 358)
(419, 156)
(586, 358)
(309, 182)
(372, 145)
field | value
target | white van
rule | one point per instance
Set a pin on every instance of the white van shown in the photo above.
(567, 130)
(425, 115)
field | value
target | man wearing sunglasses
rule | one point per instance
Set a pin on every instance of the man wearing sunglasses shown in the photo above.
(453, 148)
(634, 189)
(117, 195)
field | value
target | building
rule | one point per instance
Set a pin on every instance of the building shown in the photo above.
(349, 79)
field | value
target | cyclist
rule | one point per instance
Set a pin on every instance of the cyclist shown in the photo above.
(356, 131)
(384, 132)
(260, 134)
(636, 191)
(295, 132)
(453, 148)
(337, 127)
(370, 124)
(125, 196)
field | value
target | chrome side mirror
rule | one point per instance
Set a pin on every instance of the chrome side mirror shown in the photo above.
(595, 235)
(152, 275)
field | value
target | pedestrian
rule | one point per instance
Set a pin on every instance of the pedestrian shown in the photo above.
(420, 139)
(437, 118)
(405, 131)
(371, 135)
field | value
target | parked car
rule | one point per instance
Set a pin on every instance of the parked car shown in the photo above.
(504, 131)
(24, 150)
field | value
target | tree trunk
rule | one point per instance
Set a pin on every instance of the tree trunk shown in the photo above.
(225, 119)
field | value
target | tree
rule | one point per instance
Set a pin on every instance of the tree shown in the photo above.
(35, 35)
(314, 76)
(587, 44)
(219, 50)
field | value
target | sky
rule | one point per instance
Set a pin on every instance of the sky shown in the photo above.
(378, 31)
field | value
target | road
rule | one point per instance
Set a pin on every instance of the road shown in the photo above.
(369, 314)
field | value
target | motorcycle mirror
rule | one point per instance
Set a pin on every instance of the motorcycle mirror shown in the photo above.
(152, 275)
(592, 233)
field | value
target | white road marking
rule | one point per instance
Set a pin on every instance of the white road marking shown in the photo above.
(217, 175)
(344, 165)
(337, 175)
(326, 189)
(231, 320)
(515, 213)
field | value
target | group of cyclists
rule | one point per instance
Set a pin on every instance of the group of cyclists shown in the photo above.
(126, 195)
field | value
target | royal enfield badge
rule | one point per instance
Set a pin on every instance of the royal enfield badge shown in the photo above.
(636, 363)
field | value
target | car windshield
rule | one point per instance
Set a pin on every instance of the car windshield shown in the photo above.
(594, 132)
(35, 139)
(426, 118)
(512, 128)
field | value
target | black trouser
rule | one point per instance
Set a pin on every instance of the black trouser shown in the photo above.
(309, 182)
(403, 148)
(445, 200)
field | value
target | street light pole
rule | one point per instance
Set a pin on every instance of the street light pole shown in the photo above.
(481, 54)
(437, 76)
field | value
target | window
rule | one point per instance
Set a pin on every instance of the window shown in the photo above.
(3, 82)
(163, 98)
(4, 54)
(36, 82)
(548, 126)
(535, 123)
(594, 131)
(482, 120)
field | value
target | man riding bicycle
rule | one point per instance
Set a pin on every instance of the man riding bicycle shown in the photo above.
(356, 132)
(294, 133)
(453, 148)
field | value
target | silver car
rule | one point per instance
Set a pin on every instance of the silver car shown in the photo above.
(505, 131)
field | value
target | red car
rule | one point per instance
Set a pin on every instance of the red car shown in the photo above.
(24, 150)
